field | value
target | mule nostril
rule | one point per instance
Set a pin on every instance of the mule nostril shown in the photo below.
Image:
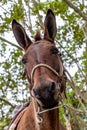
(52, 87)
(35, 92)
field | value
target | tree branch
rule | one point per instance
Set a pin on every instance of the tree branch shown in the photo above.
(3, 39)
(4, 9)
(77, 10)
(79, 94)
(85, 33)
(76, 110)
(73, 59)
(68, 124)
(75, 89)
(38, 14)
(6, 101)
(29, 14)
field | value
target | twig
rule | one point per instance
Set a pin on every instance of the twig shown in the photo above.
(73, 59)
(29, 14)
(38, 14)
(75, 89)
(68, 124)
(3, 39)
(6, 101)
(77, 10)
(4, 9)
(76, 110)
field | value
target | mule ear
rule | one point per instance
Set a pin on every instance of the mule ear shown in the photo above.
(50, 26)
(20, 35)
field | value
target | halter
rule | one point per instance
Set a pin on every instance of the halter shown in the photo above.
(59, 75)
(48, 67)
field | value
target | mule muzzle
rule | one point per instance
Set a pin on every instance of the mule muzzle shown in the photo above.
(46, 95)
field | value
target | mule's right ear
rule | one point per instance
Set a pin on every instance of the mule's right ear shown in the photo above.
(20, 35)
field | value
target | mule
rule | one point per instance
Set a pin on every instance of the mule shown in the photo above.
(45, 73)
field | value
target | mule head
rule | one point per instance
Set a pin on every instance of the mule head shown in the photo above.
(46, 86)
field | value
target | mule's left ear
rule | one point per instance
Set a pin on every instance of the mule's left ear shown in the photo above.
(50, 26)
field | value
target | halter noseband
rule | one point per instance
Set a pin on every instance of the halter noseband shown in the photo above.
(48, 67)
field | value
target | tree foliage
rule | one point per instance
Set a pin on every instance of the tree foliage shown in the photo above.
(71, 41)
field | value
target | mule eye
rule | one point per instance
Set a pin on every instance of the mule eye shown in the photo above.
(54, 51)
(24, 61)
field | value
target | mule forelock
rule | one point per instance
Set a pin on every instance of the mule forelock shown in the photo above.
(37, 36)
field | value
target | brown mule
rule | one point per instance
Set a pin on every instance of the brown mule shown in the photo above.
(45, 73)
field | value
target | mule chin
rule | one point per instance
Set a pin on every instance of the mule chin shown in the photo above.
(47, 104)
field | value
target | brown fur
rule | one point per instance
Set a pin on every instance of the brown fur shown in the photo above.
(50, 120)
(44, 85)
